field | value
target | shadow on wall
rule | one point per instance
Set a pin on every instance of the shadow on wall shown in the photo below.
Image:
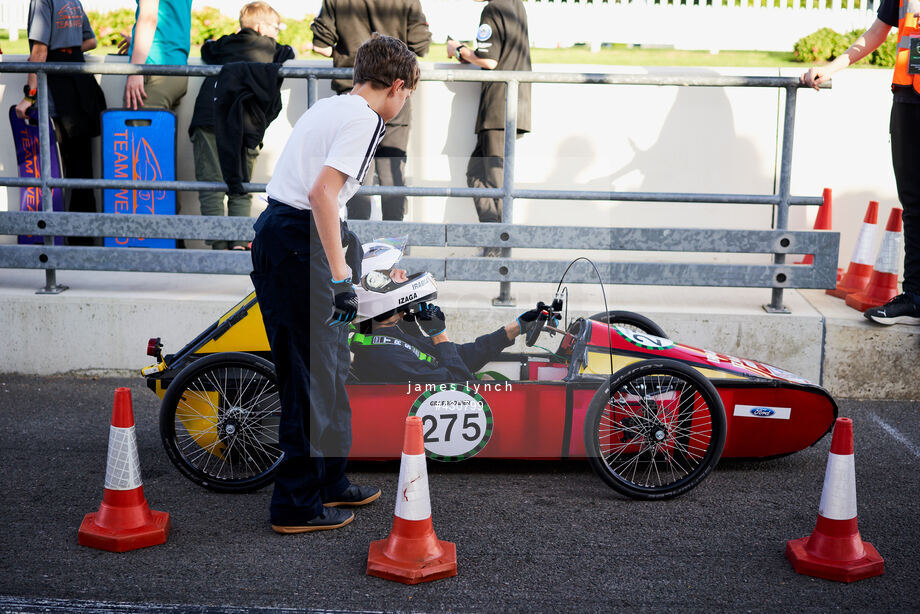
(694, 148)
(440, 143)
(461, 121)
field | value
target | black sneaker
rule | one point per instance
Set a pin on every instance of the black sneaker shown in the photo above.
(902, 309)
(331, 518)
(354, 496)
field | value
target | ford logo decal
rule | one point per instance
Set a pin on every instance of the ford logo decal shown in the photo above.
(763, 412)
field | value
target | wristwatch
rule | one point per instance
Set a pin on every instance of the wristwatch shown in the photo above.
(30, 94)
(457, 51)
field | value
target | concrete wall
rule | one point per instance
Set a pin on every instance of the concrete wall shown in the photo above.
(628, 138)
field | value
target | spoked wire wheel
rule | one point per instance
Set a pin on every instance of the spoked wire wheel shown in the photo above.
(219, 422)
(655, 430)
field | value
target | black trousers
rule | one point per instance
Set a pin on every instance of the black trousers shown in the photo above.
(486, 170)
(292, 281)
(905, 155)
(77, 163)
(389, 168)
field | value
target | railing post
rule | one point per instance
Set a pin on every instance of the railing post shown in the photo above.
(504, 297)
(44, 156)
(785, 179)
(311, 90)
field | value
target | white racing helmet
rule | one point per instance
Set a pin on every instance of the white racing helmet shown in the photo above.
(378, 295)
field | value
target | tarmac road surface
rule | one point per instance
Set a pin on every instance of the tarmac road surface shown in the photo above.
(531, 536)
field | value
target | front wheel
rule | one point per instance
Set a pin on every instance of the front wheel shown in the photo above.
(219, 422)
(655, 429)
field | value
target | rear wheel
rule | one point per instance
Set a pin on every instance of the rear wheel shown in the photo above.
(219, 422)
(631, 321)
(655, 429)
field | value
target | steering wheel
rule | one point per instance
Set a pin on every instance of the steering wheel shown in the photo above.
(534, 333)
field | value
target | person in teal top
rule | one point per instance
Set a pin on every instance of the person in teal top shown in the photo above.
(161, 35)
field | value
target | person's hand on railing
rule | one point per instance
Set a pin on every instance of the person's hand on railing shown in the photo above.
(134, 92)
(124, 44)
(815, 77)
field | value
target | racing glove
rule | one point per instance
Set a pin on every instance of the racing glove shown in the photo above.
(354, 254)
(528, 319)
(430, 319)
(344, 303)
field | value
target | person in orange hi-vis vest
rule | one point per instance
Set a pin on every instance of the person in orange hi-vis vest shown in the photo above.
(905, 139)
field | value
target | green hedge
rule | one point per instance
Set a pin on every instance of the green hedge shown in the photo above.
(207, 24)
(109, 26)
(826, 44)
(297, 34)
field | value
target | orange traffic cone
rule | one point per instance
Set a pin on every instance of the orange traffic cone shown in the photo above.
(860, 269)
(124, 520)
(835, 551)
(412, 553)
(883, 283)
(822, 222)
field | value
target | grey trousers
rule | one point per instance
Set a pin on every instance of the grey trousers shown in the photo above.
(207, 168)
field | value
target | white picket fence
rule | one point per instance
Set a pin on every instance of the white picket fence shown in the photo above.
(770, 25)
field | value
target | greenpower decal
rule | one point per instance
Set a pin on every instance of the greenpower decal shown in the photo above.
(644, 340)
(456, 422)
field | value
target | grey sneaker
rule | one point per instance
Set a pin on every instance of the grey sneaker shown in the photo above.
(331, 518)
(492, 252)
(902, 309)
(355, 496)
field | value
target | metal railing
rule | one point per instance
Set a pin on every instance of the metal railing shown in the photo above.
(779, 242)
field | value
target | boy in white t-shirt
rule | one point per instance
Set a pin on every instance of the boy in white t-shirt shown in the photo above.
(304, 286)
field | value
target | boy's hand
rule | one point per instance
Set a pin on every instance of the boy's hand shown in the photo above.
(344, 303)
(430, 319)
(527, 320)
(134, 92)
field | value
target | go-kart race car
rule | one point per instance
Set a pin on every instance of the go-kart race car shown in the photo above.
(652, 416)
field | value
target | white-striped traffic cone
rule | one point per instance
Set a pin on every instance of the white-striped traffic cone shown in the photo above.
(822, 222)
(834, 550)
(860, 268)
(412, 553)
(124, 520)
(883, 283)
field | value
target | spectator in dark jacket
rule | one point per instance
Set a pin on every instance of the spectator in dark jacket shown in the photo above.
(255, 42)
(338, 31)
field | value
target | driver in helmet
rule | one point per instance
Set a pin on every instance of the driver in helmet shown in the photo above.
(413, 346)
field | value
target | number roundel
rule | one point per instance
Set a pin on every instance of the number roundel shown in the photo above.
(643, 340)
(456, 421)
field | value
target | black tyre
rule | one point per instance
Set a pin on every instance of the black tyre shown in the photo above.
(219, 422)
(655, 429)
(631, 320)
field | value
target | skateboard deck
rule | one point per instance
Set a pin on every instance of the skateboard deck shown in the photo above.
(25, 137)
(139, 146)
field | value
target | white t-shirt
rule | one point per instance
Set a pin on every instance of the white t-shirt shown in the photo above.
(341, 132)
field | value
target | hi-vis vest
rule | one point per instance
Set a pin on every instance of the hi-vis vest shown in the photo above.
(907, 25)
